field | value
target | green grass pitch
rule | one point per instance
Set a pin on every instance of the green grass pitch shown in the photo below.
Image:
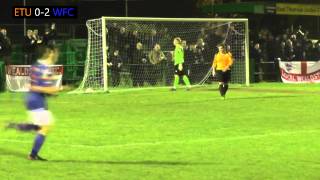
(266, 131)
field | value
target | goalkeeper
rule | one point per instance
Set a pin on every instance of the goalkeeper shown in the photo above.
(221, 68)
(178, 57)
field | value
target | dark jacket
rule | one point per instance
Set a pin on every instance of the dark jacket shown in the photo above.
(115, 60)
(5, 45)
(29, 44)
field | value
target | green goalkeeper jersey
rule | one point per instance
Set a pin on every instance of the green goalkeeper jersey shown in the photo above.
(178, 55)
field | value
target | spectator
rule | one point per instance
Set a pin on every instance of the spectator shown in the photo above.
(289, 51)
(194, 63)
(113, 36)
(5, 46)
(256, 55)
(317, 51)
(281, 55)
(123, 44)
(300, 32)
(50, 35)
(156, 56)
(299, 52)
(310, 51)
(270, 48)
(201, 50)
(132, 44)
(29, 48)
(115, 68)
(137, 66)
(36, 36)
(188, 57)
(200, 56)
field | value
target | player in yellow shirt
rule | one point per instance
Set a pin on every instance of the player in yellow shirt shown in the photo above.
(221, 65)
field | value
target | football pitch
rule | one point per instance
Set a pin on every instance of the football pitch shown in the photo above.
(266, 131)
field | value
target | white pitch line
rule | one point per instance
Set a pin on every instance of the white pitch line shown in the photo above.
(258, 136)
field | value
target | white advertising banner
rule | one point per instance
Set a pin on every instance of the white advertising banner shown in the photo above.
(18, 77)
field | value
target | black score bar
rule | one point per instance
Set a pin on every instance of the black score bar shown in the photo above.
(44, 12)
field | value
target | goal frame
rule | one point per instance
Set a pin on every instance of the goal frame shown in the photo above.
(104, 20)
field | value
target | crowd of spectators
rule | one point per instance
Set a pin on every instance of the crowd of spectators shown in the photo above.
(31, 41)
(293, 44)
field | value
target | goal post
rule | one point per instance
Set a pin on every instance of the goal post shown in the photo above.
(132, 52)
(247, 58)
(104, 55)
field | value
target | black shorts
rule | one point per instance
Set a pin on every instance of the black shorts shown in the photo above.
(223, 76)
(178, 72)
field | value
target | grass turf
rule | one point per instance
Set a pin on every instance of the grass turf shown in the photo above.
(266, 131)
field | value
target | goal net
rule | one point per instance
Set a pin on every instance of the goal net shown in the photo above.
(137, 52)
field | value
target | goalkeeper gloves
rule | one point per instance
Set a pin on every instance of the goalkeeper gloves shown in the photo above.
(180, 67)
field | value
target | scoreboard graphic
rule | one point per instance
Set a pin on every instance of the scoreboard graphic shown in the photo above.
(44, 12)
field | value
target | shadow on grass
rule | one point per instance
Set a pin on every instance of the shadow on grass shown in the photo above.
(155, 163)
(261, 97)
(9, 152)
